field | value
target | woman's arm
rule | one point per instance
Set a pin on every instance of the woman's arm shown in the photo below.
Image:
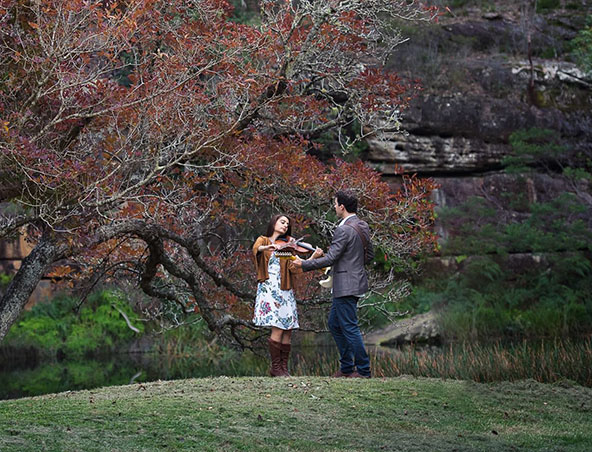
(262, 244)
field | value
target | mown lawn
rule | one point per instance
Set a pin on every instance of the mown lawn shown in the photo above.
(304, 414)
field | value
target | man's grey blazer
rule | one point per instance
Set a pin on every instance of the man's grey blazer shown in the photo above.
(346, 257)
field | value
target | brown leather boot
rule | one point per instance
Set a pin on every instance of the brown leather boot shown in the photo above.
(275, 351)
(285, 357)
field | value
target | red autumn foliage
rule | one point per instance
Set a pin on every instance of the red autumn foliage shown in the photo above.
(150, 141)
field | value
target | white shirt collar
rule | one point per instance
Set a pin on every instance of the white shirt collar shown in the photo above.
(346, 218)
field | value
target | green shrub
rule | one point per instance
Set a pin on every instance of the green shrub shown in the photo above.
(582, 47)
(83, 339)
(576, 174)
(544, 5)
(242, 14)
(56, 326)
(421, 300)
(486, 299)
(5, 280)
(491, 321)
(477, 228)
(532, 147)
(541, 321)
(38, 332)
(457, 323)
(481, 271)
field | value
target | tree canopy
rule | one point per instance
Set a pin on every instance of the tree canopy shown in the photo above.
(150, 140)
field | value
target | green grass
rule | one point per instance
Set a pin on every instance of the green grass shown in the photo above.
(304, 414)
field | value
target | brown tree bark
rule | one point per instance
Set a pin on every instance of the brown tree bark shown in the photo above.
(33, 267)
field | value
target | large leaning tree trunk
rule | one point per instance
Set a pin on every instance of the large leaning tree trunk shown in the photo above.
(33, 267)
(152, 140)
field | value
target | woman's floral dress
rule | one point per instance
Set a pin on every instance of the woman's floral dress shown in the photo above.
(273, 306)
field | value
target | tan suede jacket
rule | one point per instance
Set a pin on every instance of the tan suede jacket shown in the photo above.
(287, 269)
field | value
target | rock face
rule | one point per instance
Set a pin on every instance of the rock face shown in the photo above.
(435, 155)
(420, 329)
(463, 133)
(460, 133)
(479, 87)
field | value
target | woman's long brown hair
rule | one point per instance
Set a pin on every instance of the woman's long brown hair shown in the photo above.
(274, 220)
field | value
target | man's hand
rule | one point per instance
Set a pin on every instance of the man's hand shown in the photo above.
(297, 262)
(317, 253)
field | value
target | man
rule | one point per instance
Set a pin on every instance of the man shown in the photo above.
(350, 249)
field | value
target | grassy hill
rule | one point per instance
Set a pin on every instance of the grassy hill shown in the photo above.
(304, 414)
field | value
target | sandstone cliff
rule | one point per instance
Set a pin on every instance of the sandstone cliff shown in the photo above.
(479, 87)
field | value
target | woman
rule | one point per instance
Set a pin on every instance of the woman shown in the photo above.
(275, 305)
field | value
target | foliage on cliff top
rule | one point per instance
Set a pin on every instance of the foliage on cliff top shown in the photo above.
(582, 46)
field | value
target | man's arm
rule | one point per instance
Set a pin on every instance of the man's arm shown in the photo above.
(336, 249)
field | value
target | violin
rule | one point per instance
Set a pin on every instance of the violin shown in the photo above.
(288, 247)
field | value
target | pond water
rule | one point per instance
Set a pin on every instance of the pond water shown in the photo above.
(545, 361)
(30, 377)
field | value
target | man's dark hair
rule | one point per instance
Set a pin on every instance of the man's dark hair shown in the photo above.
(274, 220)
(348, 199)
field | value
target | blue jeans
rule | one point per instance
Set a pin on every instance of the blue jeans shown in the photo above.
(343, 324)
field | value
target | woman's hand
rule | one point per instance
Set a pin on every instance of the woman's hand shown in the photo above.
(271, 247)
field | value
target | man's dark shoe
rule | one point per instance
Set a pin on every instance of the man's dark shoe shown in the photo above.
(357, 375)
(340, 374)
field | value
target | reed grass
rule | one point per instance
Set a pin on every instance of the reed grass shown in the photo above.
(546, 361)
